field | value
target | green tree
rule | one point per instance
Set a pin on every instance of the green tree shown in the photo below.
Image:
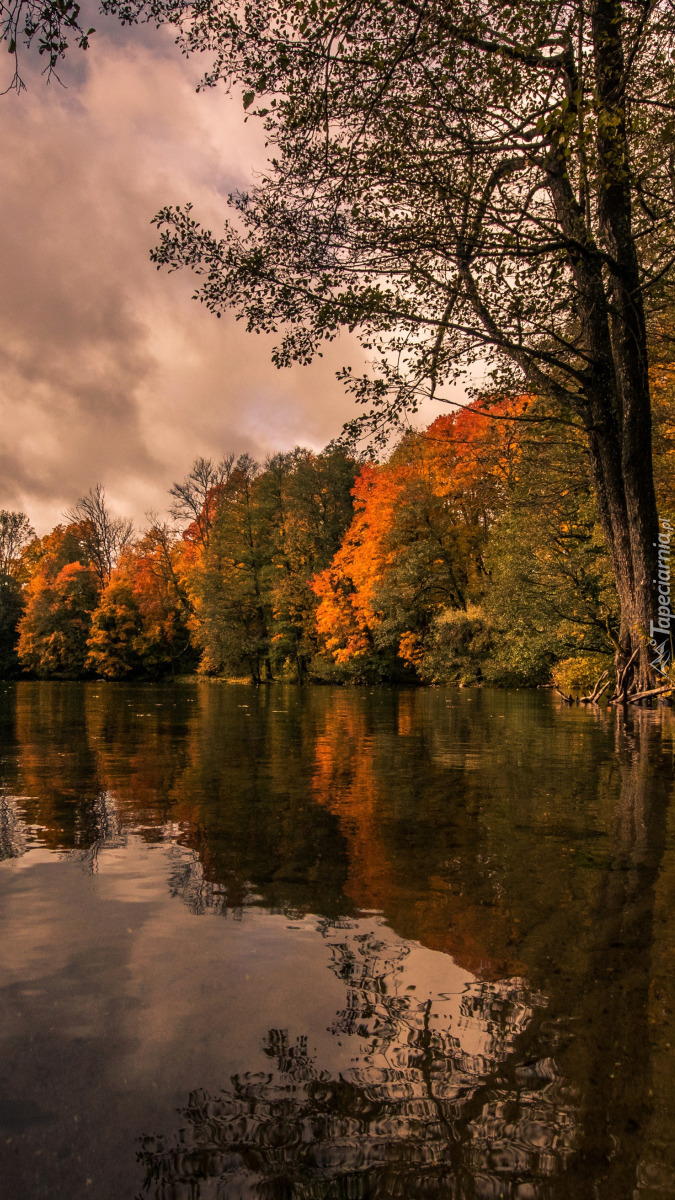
(551, 594)
(307, 505)
(460, 183)
(15, 534)
(232, 608)
(11, 609)
(262, 533)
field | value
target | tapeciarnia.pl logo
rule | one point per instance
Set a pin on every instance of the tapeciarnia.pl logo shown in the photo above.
(660, 630)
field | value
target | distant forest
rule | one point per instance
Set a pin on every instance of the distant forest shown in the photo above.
(472, 553)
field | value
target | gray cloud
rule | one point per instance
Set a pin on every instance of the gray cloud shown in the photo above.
(108, 371)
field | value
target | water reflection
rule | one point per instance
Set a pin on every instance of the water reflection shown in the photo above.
(13, 831)
(491, 878)
(420, 1111)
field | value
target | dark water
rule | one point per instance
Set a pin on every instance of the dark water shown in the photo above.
(332, 945)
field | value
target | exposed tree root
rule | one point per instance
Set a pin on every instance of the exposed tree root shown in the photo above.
(623, 694)
(622, 680)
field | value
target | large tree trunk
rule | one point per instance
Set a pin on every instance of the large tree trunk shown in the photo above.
(629, 520)
(614, 401)
(628, 335)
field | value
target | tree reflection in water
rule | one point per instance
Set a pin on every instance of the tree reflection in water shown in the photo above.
(429, 1105)
(531, 845)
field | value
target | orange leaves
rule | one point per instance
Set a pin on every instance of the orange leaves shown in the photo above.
(346, 615)
(477, 448)
(140, 624)
(276, 570)
(340, 619)
(410, 649)
(414, 543)
(55, 626)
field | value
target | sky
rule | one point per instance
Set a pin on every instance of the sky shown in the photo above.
(110, 373)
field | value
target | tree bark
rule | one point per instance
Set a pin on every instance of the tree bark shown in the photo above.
(628, 334)
(614, 403)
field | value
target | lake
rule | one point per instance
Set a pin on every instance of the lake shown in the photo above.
(334, 944)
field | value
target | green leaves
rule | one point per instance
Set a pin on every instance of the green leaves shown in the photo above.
(45, 25)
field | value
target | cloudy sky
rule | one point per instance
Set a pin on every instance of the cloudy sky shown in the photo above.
(110, 372)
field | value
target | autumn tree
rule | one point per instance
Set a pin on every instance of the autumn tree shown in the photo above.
(460, 184)
(106, 535)
(348, 614)
(61, 597)
(140, 626)
(415, 546)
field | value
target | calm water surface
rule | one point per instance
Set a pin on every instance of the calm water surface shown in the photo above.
(332, 945)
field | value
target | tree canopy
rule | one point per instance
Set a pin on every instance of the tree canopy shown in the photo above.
(471, 552)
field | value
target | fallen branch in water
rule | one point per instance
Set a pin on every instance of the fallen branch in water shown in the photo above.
(597, 690)
(660, 691)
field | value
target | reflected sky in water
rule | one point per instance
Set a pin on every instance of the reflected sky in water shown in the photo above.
(332, 943)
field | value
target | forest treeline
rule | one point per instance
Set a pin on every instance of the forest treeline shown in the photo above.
(472, 553)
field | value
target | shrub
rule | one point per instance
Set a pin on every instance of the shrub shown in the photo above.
(578, 676)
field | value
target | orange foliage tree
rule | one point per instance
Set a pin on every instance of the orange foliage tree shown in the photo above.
(141, 623)
(61, 597)
(415, 544)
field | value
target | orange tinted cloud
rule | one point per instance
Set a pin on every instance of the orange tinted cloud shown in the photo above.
(109, 371)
